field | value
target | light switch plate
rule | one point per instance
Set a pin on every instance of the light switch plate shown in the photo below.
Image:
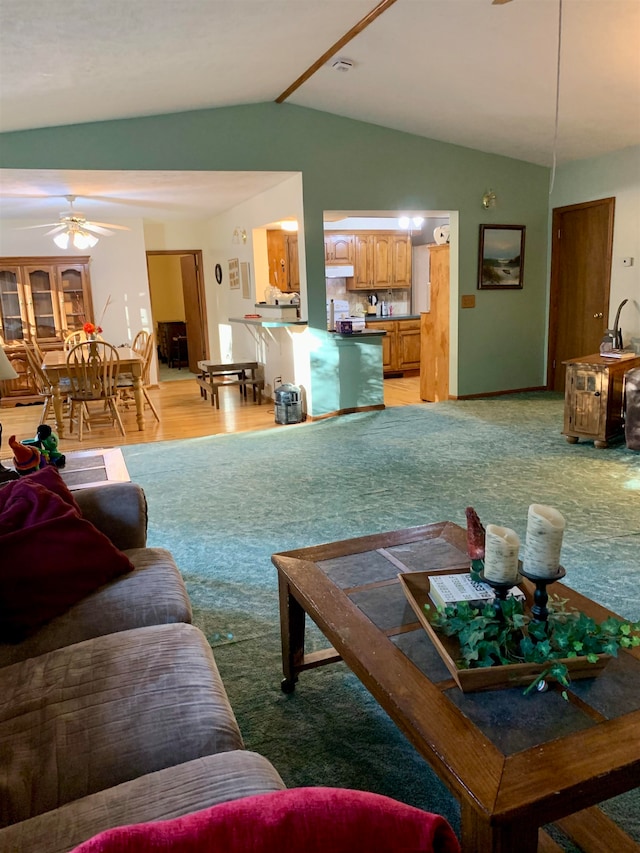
(468, 300)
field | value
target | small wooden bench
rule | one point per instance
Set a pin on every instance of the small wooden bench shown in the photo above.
(215, 376)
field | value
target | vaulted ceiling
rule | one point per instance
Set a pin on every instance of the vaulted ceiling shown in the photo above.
(461, 71)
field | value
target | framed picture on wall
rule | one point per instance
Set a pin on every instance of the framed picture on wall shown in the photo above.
(501, 257)
(245, 278)
(234, 274)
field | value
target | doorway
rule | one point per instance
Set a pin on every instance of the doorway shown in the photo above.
(176, 289)
(581, 249)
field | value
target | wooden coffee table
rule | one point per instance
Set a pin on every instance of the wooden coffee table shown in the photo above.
(514, 762)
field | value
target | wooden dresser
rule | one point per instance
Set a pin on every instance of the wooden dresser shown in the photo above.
(593, 398)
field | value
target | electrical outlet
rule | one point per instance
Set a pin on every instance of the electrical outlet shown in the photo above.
(468, 300)
(627, 262)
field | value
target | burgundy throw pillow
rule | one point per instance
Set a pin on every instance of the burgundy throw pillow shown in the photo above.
(51, 479)
(50, 558)
(315, 820)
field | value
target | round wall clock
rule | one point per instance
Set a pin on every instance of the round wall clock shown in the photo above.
(218, 273)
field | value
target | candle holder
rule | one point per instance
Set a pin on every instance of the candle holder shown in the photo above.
(501, 589)
(539, 610)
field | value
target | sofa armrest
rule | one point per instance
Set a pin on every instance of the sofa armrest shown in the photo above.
(119, 510)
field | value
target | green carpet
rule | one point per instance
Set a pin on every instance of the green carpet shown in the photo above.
(223, 504)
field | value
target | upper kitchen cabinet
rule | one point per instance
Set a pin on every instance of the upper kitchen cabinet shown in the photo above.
(284, 267)
(381, 261)
(339, 249)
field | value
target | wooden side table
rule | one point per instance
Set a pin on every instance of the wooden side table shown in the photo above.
(593, 400)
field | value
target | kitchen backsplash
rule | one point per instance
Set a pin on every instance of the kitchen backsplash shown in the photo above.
(398, 300)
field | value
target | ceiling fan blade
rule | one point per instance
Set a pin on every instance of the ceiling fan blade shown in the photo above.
(98, 229)
(108, 225)
(499, 2)
(56, 230)
(30, 227)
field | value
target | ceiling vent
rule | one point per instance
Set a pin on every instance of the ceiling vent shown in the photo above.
(342, 65)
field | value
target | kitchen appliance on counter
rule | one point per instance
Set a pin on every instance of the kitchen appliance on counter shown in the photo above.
(349, 325)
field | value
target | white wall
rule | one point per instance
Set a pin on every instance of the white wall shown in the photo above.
(616, 175)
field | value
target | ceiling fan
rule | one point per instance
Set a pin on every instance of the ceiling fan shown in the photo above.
(73, 227)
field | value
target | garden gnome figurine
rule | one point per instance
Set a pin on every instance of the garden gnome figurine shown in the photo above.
(47, 443)
(26, 460)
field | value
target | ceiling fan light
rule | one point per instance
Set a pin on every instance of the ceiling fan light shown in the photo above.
(83, 240)
(62, 240)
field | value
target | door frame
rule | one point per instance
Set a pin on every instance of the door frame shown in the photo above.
(556, 250)
(202, 299)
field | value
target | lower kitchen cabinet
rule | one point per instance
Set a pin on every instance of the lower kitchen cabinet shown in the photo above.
(593, 398)
(400, 346)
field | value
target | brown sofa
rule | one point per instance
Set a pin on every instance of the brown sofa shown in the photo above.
(114, 712)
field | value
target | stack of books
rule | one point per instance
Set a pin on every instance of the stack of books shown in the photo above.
(448, 590)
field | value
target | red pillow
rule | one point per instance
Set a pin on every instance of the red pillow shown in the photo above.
(51, 479)
(314, 820)
(51, 557)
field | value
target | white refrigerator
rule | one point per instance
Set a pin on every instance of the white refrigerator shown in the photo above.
(420, 286)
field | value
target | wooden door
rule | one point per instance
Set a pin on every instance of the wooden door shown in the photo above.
(293, 264)
(582, 239)
(194, 308)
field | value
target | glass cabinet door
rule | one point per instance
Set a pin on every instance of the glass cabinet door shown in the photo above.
(43, 305)
(12, 326)
(72, 298)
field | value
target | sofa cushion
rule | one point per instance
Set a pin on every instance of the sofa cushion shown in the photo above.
(52, 557)
(81, 719)
(315, 820)
(153, 594)
(162, 795)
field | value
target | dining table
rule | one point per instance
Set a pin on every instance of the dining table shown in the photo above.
(55, 367)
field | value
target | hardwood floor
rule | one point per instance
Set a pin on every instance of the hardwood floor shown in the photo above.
(183, 414)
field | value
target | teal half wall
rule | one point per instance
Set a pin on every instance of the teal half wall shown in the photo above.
(498, 345)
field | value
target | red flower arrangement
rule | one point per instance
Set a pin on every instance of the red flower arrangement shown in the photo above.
(92, 329)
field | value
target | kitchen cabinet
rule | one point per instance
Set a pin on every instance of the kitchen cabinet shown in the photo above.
(338, 249)
(434, 340)
(381, 261)
(284, 267)
(41, 299)
(593, 401)
(400, 345)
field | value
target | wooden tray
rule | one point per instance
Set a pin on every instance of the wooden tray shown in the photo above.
(416, 588)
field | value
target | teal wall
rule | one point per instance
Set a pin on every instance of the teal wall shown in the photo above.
(348, 165)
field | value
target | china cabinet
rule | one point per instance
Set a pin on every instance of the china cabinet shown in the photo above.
(41, 300)
(593, 398)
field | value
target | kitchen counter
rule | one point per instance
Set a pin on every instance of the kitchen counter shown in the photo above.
(376, 318)
(376, 333)
(266, 323)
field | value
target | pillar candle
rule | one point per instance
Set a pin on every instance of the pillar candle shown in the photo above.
(545, 528)
(501, 554)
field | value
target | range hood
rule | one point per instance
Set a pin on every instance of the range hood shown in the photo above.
(342, 271)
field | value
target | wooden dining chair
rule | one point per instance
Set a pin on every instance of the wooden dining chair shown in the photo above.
(125, 382)
(139, 344)
(73, 338)
(41, 381)
(93, 368)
